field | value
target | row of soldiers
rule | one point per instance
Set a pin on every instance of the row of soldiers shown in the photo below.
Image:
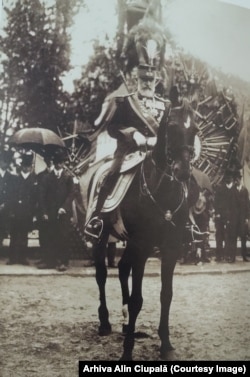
(228, 206)
(44, 201)
(36, 201)
(231, 217)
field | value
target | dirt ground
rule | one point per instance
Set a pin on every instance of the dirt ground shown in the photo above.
(49, 323)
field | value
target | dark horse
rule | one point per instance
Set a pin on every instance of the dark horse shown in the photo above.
(154, 211)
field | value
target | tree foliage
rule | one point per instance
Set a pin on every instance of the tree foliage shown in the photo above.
(36, 52)
(100, 77)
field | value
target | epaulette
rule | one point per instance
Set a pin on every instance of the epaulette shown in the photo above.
(120, 99)
(166, 101)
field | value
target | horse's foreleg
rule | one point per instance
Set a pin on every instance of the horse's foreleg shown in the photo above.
(134, 306)
(124, 266)
(167, 270)
(99, 253)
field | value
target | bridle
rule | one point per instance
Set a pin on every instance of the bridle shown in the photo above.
(145, 191)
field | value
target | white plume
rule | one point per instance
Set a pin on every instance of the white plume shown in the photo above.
(151, 48)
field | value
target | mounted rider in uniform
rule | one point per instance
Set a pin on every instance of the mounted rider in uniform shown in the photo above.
(134, 125)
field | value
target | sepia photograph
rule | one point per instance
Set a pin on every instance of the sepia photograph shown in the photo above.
(124, 186)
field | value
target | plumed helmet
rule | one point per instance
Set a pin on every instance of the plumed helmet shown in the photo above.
(146, 71)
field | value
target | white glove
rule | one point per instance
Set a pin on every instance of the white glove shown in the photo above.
(139, 139)
(151, 141)
(61, 211)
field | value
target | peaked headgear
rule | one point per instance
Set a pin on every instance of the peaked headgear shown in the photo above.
(146, 71)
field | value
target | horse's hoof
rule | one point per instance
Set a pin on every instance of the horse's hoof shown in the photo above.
(126, 358)
(167, 352)
(168, 356)
(105, 331)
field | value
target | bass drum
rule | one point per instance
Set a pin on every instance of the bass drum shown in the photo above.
(217, 137)
(216, 115)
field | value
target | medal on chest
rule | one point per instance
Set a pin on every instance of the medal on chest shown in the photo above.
(168, 215)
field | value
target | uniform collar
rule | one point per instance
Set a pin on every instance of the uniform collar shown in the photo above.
(2, 172)
(58, 173)
(141, 97)
(25, 175)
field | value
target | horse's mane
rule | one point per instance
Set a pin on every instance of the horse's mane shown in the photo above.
(176, 116)
(160, 151)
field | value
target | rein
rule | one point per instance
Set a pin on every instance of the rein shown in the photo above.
(168, 215)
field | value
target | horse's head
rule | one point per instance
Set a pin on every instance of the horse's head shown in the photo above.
(175, 142)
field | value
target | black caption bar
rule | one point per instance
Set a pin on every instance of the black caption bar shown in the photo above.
(208, 368)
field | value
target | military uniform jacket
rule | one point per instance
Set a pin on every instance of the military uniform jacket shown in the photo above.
(56, 193)
(7, 186)
(135, 114)
(40, 178)
(226, 204)
(244, 208)
(24, 201)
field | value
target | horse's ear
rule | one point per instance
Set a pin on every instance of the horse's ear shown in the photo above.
(189, 111)
(160, 149)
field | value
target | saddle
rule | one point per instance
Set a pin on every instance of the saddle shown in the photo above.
(127, 172)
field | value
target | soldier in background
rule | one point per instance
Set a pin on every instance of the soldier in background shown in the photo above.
(226, 211)
(6, 188)
(43, 225)
(199, 216)
(57, 194)
(22, 211)
(244, 213)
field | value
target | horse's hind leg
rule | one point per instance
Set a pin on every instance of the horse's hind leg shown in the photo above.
(99, 254)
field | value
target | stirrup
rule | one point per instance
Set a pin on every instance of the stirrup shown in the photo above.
(94, 227)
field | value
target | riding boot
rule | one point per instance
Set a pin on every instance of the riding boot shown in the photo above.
(95, 225)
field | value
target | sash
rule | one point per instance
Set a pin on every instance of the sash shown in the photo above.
(150, 122)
